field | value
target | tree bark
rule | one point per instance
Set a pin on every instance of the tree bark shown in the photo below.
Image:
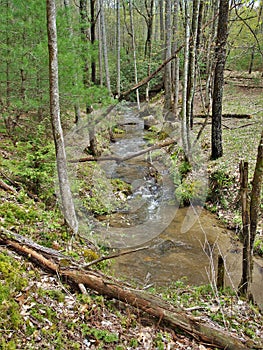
(185, 121)
(210, 58)
(118, 30)
(255, 196)
(192, 63)
(134, 53)
(161, 20)
(245, 235)
(153, 305)
(64, 186)
(176, 61)
(84, 36)
(168, 49)
(104, 46)
(93, 38)
(217, 147)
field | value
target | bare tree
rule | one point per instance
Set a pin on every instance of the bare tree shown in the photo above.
(64, 186)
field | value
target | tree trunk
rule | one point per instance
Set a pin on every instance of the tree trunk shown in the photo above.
(148, 43)
(192, 63)
(104, 46)
(210, 59)
(64, 186)
(163, 311)
(184, 118)
(217, 147)
(100, 51)
(168, 43)
(255, 196)
(176, 61)
(93, 38)
(161, 21)
(84, 35)
(245, 235)
(118, 29)
(134, 52)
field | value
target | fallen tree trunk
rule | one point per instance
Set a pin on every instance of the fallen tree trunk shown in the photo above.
(123, 159)
(153, 305)
(152, 75)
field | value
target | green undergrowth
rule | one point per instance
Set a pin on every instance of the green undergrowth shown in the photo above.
(98, 194)
(23, 215)
(223, 307)
(40, 311)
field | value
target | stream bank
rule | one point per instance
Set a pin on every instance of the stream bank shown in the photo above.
(182, 242)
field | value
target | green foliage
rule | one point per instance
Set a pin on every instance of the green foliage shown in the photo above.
(33, 163)
(120, 185)
(100, 334)
(188, 191)
(220, 182)
(12, 281)
(187, 187)
(98, 193)
(26, 217)
(243, 42)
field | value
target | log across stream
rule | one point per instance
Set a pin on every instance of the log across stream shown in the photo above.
(184, 242)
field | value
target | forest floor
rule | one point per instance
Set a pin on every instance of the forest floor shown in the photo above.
(242, 126)
(39, 310)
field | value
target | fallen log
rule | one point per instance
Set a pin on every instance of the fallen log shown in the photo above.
(153, 305)
(123, 159)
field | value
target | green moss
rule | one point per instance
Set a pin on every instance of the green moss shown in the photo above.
(12, 283)
(23, 215)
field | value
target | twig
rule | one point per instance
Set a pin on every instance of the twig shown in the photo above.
(112, 256)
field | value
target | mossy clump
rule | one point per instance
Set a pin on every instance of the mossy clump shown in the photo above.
(12, 282)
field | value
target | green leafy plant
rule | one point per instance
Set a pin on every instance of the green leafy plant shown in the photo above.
(103, 335)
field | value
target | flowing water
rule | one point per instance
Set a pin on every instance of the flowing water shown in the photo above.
(182, 242)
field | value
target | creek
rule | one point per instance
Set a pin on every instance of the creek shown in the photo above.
(182, 242)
